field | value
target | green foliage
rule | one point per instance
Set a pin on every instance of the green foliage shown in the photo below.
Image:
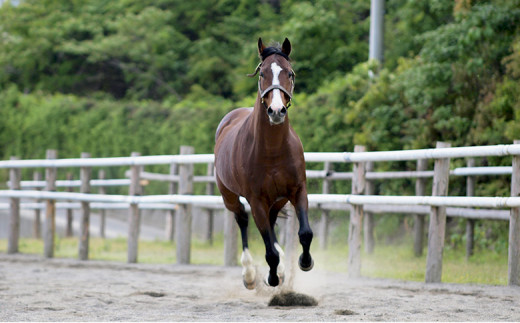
(155, 50)
(33, 123)
(327, 35)
(439, 94)
(328, 120)
(409, 19)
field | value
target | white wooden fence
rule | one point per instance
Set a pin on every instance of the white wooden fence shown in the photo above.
(438, 205)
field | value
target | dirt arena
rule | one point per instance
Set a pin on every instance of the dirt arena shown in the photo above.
(35, 289)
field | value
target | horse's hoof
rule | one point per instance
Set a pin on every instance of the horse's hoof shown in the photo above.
(304, 267)
(250, 285)
(271, 282)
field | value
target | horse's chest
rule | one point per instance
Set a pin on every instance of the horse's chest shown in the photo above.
(278, 182)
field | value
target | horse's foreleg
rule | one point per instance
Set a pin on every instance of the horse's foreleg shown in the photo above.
(272, 256)
(305, 232)
(273, 216)
(272, 249)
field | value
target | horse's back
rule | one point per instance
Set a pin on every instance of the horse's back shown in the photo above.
(231, 119)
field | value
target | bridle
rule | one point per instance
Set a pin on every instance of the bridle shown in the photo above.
(263, 93)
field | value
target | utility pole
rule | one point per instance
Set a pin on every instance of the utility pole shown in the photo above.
(377, 22)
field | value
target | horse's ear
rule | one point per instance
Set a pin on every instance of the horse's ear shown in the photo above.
(261, 46)
(286, 47)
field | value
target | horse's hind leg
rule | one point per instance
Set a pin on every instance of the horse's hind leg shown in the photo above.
(233, 204)
(248, 269)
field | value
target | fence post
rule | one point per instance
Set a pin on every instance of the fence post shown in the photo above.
(513, 272)
(368, 224)
(210, 190)
(50, 207)
(134, 216)
(230, 239)
(418, 227)
(324, 222)
(69, 231)
(14, 216)
(437, 229)
(183, 216)
(470, 223)
(102, 212)
(356, 219)
(170, 215)
(37, 228)
(85, 176)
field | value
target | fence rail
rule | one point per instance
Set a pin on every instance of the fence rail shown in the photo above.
(311, 174)
(93, 205)
(438, 205)
(207, 200)
(397, 155)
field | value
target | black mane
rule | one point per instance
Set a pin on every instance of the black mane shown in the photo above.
(266, 53)
(272, 51)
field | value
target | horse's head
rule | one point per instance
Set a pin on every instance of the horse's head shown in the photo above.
(276, 82)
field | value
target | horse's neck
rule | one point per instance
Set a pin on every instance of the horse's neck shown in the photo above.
(268, 138)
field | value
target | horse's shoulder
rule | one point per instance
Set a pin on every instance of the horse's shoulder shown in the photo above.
(231, 117)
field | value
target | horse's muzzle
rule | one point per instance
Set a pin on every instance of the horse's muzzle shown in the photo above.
(276, 116)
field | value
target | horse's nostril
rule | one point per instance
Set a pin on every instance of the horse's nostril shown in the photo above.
(283, 111)
(270, 111)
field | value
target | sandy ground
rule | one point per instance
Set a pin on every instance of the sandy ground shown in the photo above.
(36, 289)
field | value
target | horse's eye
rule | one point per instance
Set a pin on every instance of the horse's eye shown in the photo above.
(291, 75)
(261, 74)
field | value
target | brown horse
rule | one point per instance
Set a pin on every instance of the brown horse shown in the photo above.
(259, 156)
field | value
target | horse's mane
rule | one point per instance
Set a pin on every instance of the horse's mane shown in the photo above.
(274, 49)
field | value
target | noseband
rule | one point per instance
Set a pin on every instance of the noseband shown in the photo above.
(273, 87)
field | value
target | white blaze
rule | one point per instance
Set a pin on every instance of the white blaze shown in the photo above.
(277, 102)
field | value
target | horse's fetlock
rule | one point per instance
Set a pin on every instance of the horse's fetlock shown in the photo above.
(273, 259)
(305, 236)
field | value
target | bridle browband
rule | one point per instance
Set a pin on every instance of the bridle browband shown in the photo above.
(263, 93)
